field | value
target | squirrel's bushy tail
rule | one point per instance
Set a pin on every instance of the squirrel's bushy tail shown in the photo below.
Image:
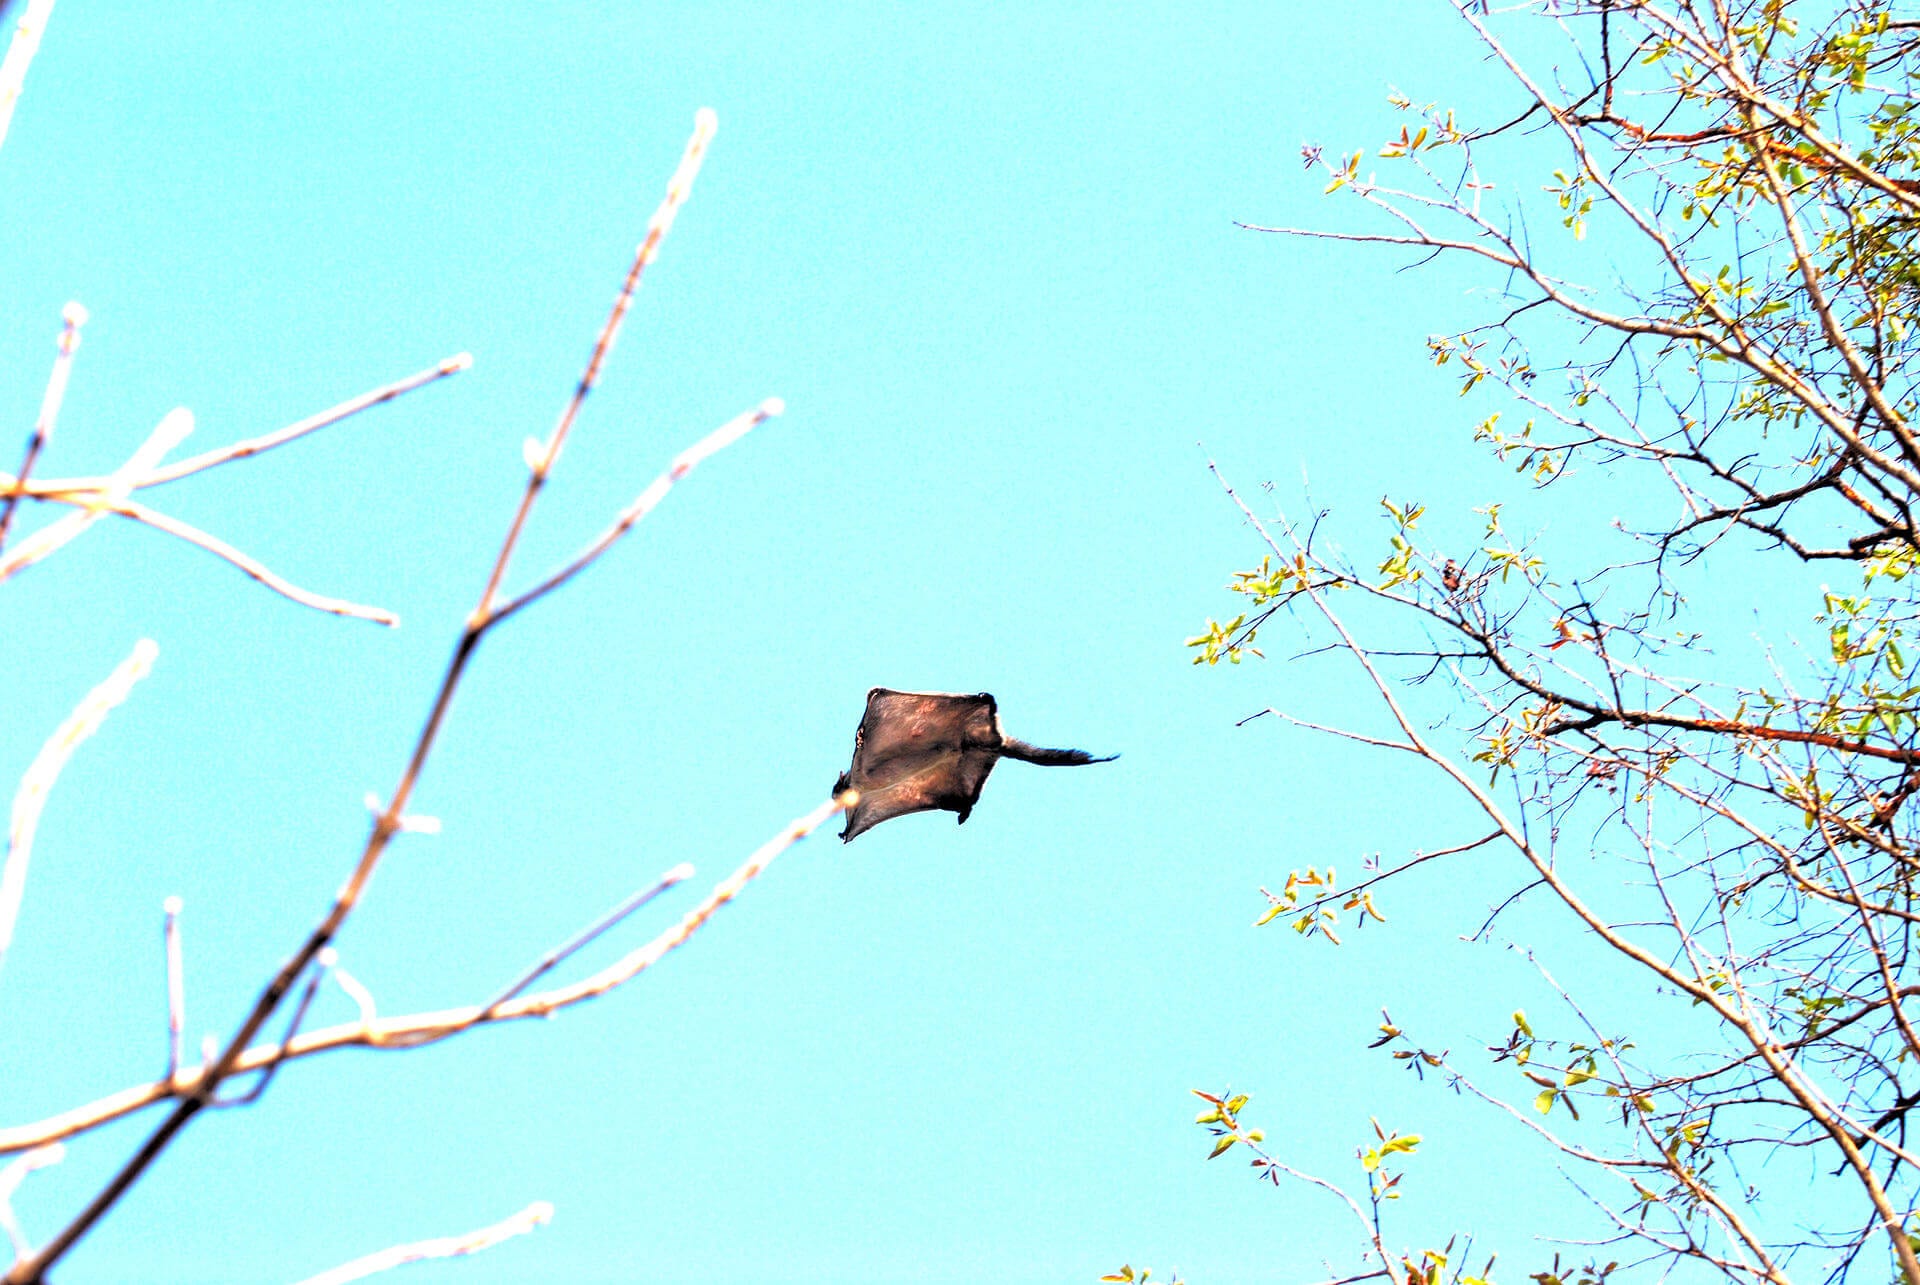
(1049, 758)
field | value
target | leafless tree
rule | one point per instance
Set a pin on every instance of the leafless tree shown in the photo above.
(188, 1088)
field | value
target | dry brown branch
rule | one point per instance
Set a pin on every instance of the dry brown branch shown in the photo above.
(444, 1247)
(415, 1029)
(31, 797)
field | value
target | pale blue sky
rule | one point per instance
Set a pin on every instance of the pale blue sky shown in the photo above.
(987, 256)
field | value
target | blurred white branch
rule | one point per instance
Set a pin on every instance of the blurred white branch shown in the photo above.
(360, 995)
(13, 70)
(172, 429)
(445, 1247)
(40, 776)
(10, 1179)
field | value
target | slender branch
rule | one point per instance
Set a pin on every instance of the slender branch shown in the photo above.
(359, 994)
(1596, 715)
(587, 936)
(1341, 732)
(1837, 340)
(1418, 858)
(94, 495)
(322, 965)
(249, 566)
(176, 988)
(266, 442)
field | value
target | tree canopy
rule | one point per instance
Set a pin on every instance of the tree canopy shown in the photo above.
(1697, 229)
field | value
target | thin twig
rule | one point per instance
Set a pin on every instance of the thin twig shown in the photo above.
(352, 406)
(94, 494)
(321, 967)
(445, 1247)
(726, 890)
(560, 954)
(1342, 732)
(176, 988)
(249, 566)
(359, 994)
(246, 564)
(731, 431)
